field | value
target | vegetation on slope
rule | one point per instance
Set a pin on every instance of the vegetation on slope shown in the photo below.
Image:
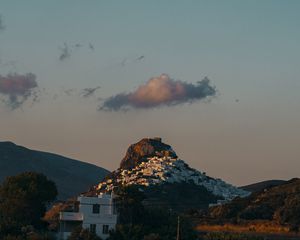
(280, 204)
(138, 222)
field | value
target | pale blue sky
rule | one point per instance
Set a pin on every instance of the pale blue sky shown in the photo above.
(249, 49)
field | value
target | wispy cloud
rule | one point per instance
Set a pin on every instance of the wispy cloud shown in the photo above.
(91, 47)
(87, 92)
(74, 92)
(65, 52)
(127, 61)
(160, 91)
(17, 88)
(139, 58)
(70, 91)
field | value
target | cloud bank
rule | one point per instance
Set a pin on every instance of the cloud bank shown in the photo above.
(18, 88)
(160, 91)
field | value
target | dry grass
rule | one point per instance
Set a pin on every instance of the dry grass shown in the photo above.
(257, 226)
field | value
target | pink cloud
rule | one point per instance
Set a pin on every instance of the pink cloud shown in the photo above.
(17, 88)
(160, 91)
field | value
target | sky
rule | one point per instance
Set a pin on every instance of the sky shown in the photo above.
(217, 80)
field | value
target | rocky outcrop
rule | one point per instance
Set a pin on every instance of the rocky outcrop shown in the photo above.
(151, 164)
(146, 148)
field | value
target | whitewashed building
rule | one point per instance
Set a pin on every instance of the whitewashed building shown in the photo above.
(94, 213)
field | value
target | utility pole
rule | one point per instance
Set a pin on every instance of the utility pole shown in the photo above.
(178, 228)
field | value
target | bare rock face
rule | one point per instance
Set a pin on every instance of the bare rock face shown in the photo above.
(146, 148)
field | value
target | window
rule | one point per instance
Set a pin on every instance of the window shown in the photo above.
(105, 229)
(96, 208)
(93, 228)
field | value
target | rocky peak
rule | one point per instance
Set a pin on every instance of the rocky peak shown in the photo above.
(150, 162)
(144, 149)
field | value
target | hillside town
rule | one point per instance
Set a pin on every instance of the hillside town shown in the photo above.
(162, 168)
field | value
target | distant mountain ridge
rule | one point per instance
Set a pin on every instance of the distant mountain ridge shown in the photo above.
(259, 186)
(155, 168)
(71, 176)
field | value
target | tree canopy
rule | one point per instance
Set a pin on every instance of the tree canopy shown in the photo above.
(137, 221)
(83, 234)
(23, 202)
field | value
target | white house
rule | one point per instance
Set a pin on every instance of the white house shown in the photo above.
(94, 213)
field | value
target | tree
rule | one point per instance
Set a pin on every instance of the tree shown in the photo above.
(83, 234)
(52, 215)
(129, 204)
(137, 221)
(152, 236)
(23, 202)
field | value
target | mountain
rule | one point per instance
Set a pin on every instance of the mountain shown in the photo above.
(71, 176)
(156, 169)
(257, 187)
(280, 203)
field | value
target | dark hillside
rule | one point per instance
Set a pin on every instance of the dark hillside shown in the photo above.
(71, 176)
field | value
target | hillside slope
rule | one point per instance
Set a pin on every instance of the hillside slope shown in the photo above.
(71, 176)
(155, 168)
(279, 203)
